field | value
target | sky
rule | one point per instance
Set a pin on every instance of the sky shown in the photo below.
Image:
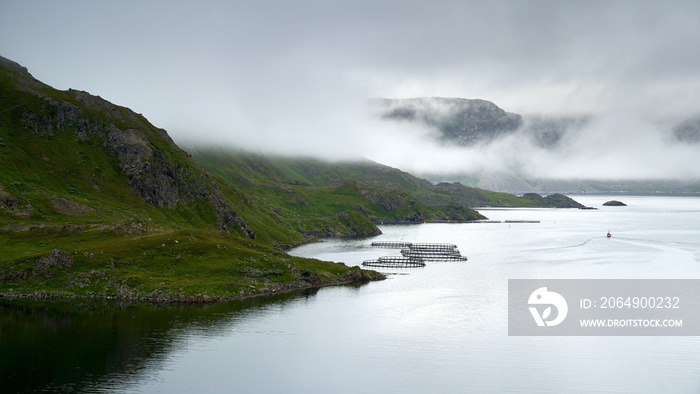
(295, 76)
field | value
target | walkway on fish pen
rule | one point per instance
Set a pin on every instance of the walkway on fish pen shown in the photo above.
(415, 246)
(433, 256)
(391, 244)
(433, 247)
(394, 262)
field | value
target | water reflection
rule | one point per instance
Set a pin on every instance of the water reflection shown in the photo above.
(78, 345)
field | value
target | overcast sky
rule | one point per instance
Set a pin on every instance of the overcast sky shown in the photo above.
(295, 75)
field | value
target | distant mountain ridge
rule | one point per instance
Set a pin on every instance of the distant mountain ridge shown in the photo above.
(476, 123)
(464, 121)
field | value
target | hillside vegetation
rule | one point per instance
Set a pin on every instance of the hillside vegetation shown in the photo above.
(303, 186)
(89, 191)
(96, 201)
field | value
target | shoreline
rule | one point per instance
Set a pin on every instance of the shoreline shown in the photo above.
(158, 297)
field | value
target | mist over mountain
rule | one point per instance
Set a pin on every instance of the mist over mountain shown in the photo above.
(462, 121)
(485, 146)
(688, 131)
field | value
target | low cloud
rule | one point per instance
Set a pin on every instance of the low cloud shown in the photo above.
(294, 77)
(604, 148)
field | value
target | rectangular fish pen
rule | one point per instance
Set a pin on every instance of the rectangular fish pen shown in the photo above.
(433, 255)
(391, 244)
(394, 262)
(432, 246)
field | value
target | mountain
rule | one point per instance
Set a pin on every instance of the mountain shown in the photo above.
(73, 156)
(96, 201)
(479, 124)
(463, 121)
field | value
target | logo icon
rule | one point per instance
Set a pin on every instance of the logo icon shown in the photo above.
(543, 297)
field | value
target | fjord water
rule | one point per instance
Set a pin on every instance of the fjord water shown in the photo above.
(441, 328)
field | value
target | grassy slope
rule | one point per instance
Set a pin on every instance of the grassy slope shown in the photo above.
(158, 263)
(49, 177)
(35, 167)
(312, 189)
(76, 197)
(294, 178)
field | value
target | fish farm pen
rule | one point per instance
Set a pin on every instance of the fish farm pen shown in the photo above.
(394, 262)
(433, 247)
(411, 245)
(391, 244)
(416, 252)
(433, 255)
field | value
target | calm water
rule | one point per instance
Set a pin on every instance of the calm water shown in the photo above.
(441, 329)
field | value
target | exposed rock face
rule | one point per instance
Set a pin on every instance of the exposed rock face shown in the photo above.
(156, 169)
(57, 258)
(615, 203)
(357, 276)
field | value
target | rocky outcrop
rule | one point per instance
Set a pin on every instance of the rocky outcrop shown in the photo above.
(614, 203)
(43, 268)
(57, 258)
(457, 212)
(555, 200)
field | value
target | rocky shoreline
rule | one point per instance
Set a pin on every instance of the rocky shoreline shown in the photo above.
(166, 297)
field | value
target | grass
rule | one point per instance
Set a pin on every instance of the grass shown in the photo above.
(311, 191)
(178, 263)
(65, 185)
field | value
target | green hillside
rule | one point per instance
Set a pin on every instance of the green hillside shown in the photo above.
(302, 185)
(89, 191)
(96, 201)
(309, 190)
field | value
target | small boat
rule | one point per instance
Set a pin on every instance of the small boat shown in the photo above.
(609, 235)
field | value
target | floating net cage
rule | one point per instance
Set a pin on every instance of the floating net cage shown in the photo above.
(434, 255)
(433, 247)
(419, 251)
(391, 244)
(395, 262)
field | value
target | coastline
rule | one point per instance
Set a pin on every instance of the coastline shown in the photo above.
(359, 277)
